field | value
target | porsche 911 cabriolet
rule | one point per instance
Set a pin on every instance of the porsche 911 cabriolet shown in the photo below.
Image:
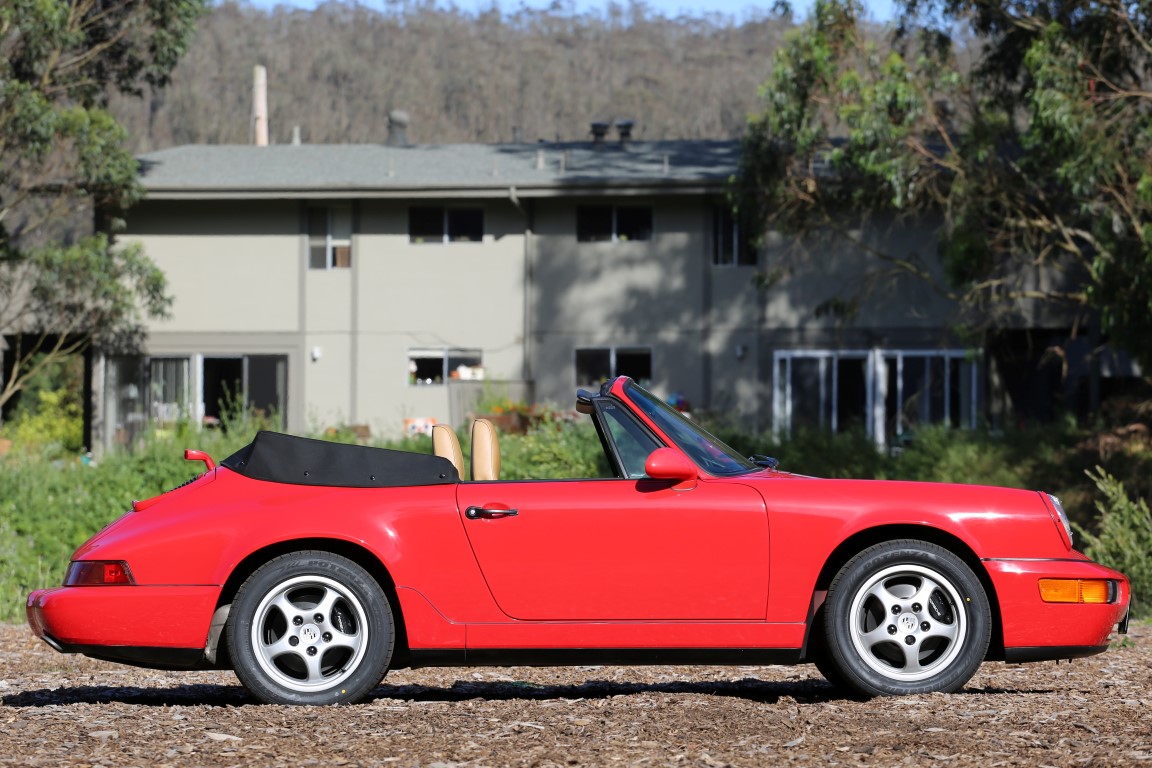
(312, 568)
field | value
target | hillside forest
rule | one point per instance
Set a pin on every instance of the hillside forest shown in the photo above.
(526, 75)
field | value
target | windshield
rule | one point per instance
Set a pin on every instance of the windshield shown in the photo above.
(709, 453)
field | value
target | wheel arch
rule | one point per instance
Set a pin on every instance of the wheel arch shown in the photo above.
(862, 540)
(354, 552)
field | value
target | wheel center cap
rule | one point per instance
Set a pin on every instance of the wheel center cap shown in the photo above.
(908, 622)
(309, 633)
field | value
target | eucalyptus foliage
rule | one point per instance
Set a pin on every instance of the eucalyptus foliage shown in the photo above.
(63, 161)
(1024, 128)
(1123, 537)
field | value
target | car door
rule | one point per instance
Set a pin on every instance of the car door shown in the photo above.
(620, 549)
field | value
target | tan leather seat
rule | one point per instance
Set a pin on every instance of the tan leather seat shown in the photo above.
(485, 451)
(446, 445)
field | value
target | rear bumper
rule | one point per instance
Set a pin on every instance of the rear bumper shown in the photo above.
(162, 627)
(1035, 630)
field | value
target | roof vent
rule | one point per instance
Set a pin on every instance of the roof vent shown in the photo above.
(599, 131)
(397, 128)
(624, 129)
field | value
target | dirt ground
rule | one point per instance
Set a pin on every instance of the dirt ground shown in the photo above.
(68, 710)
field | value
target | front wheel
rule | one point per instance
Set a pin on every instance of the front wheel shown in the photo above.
(906, 617)
(310, 628)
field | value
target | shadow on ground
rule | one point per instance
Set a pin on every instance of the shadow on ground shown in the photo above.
(751, 689)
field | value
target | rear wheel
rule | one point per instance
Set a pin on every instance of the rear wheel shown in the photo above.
(310, 628)
(905, 617)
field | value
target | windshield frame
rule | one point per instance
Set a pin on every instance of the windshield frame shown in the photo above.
(706, 451)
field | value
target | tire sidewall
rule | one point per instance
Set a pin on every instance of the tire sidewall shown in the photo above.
(842, 651)
(377, 616)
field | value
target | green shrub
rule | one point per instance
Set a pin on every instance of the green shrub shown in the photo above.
(1123, 538)
(53, 428)
(553, 448)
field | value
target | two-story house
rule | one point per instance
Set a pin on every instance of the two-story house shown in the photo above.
(373, 284)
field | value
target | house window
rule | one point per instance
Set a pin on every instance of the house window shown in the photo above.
(169, 389)
(436, 224)
(613, 223)
(929, 388)
(161, 391)
(435, 366)
(329, 237)
(595, 365)
(731, 244)
(886, 393)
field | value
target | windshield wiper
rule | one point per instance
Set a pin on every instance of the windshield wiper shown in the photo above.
(764, 461)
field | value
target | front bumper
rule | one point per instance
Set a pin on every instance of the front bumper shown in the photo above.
(1035, 630)
(162, 627)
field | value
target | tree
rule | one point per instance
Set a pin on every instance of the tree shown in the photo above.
(1030, 140)
(64, 284)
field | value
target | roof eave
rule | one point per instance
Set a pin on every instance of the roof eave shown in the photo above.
(621, 188)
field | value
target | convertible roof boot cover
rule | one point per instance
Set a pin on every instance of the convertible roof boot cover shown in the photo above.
(280, 458)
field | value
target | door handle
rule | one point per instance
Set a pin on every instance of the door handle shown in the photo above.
(483, 513)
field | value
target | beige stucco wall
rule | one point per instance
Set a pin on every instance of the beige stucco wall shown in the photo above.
(432, 296)
(664, 293)
(829, 267)
(229, 267)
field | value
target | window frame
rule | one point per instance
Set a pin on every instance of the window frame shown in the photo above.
(453, 225)
(969, 400)
(731, 246)
(586, 215)
(331, 241)
(451, 358)
(613, 351)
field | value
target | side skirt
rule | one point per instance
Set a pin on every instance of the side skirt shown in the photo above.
(1051, 653)
(566, 657)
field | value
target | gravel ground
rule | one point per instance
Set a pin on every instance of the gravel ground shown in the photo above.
(67, 710)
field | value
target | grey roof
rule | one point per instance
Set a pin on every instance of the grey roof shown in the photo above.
(479, 170)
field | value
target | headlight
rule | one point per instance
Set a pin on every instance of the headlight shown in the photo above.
(1063, 517)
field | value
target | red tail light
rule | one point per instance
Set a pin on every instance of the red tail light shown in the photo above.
(98, 573)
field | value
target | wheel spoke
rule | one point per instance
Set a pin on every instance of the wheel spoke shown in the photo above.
(911, 658)
(324, 607)
(281, 647)
(286, 607)
(941, 630)
(875, 637)
(351, 642)
(312, 668)
(880, 592)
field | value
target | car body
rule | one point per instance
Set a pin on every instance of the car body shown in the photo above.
(312, 568)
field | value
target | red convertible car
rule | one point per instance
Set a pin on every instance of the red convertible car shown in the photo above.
(312, 568)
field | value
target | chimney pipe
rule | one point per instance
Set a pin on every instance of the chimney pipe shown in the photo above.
(397, 129)
(260, 106)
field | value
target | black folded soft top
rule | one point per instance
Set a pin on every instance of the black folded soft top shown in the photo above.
(282, 458)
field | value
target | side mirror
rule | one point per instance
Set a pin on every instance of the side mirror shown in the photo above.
(667, 464)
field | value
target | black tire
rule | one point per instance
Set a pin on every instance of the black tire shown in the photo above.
(819, 654)
(905, 617)
(310, 628)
